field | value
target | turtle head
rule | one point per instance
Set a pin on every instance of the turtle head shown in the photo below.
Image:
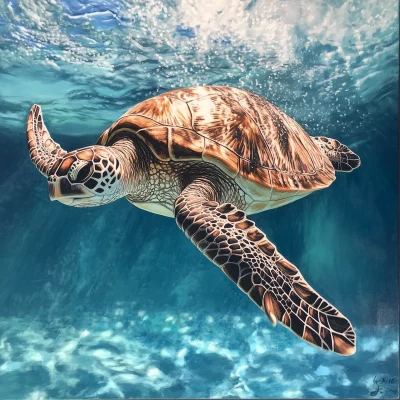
(87, 177)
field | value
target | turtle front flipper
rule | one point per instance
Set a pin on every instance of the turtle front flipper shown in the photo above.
(43, 150)
(232, 242)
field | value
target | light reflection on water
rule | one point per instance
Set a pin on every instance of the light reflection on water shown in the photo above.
(136, 354)
(318, 60)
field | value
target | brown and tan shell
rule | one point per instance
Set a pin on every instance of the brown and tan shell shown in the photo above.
(263, 149)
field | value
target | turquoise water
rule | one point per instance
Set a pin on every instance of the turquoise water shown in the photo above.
(116, 302)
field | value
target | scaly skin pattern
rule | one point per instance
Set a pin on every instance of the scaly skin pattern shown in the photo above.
(43, 150)
(105, 173)
(232, 242)
(162, 183)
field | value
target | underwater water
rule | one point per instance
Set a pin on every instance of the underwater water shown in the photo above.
(114, 302)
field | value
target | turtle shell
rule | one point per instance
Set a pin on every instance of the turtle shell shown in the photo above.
(263, 149)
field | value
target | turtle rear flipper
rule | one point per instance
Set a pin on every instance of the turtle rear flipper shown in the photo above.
(341, 157)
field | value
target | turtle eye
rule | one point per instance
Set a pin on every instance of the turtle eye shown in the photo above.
(84, 173)
(79, 173)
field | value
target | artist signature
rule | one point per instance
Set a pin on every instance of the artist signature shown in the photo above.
(383, 384)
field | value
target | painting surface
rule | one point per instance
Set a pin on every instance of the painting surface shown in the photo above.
(115, 302)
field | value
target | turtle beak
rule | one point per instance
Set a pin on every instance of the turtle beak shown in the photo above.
(62, 190)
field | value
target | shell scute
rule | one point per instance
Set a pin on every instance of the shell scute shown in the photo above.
(225, 122)
(288, 142)
(130, 124)
(184, 144)
(190, 94)
(256, 181)
(156, 138)
(164, 110)
(221, 156)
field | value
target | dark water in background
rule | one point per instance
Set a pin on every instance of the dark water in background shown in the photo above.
(114, 301)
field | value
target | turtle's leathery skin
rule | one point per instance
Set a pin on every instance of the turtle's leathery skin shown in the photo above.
(231, 241)
(166, 181)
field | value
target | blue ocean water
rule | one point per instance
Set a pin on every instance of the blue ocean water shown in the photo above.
(114, 302)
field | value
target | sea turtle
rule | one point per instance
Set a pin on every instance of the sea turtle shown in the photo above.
(208, 156)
